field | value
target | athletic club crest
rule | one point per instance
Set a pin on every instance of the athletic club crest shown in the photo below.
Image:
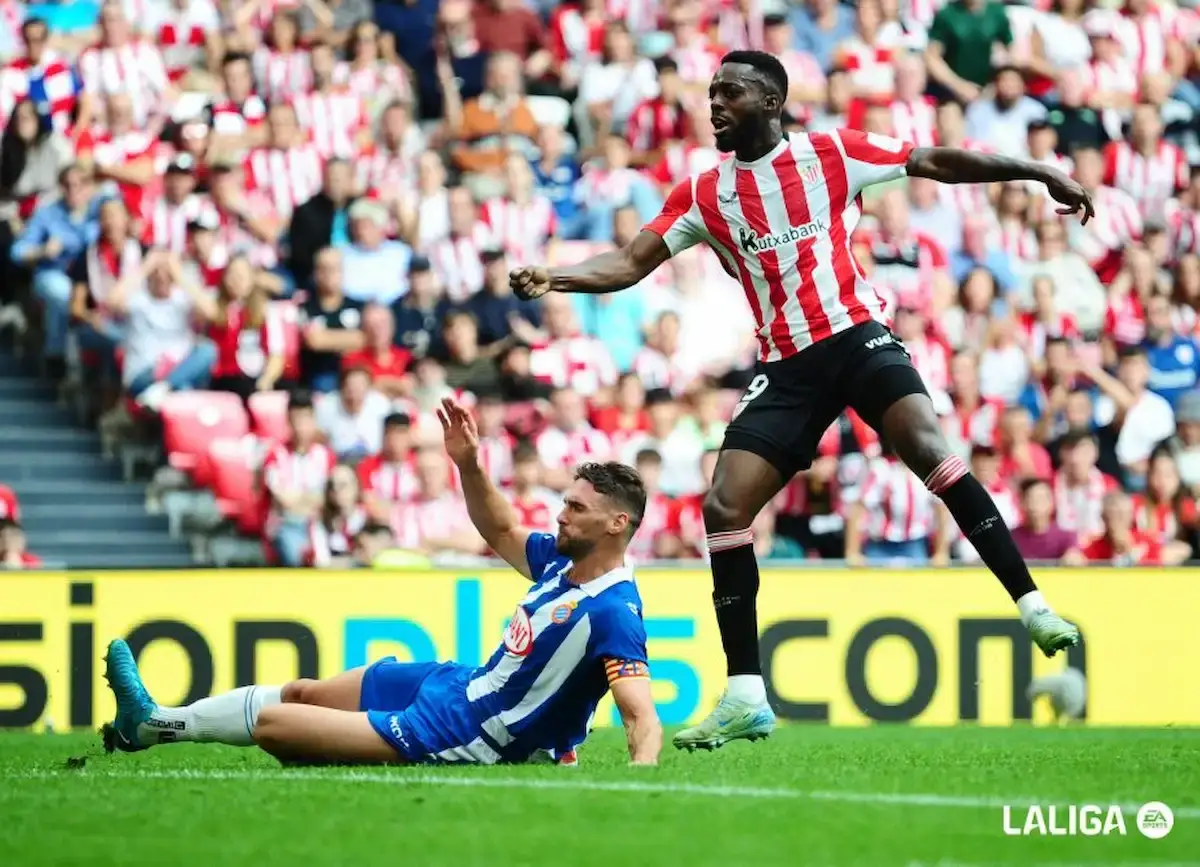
(518, 636)
(810, 173)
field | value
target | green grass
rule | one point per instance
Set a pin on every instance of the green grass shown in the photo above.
(816, 797)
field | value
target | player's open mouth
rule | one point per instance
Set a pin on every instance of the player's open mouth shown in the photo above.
(720, 125)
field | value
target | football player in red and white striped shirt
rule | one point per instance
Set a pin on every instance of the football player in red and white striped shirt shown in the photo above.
(780, 217)
(123, 64)
(1146, 167)
(287, 169)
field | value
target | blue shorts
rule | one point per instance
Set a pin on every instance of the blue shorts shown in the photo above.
(421, 709)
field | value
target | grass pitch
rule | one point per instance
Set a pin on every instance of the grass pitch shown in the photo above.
(818, 797)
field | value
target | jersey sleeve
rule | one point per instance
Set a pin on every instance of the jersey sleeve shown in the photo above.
(679, 223)
(620, 642)
(872, 159)
(539, 551)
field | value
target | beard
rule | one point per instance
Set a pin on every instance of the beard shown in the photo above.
(576, 549)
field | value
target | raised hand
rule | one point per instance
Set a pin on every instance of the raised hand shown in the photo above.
(460, 433)
(529, 283)
(1071, 196)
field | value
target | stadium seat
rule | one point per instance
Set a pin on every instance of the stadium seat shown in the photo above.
(234, 463)
(193, 419)
(268, 413)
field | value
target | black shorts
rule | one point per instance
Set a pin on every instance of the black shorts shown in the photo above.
(790, 404)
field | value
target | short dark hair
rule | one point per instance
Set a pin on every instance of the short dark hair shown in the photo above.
(1029, 484)
(301, 398)
(767, 64)
(621, 484)
(234, 57)
(525, 452)
(1127, 352)
(1074, 437)
(648, 456)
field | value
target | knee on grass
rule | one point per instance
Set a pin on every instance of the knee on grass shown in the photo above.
(271, 732)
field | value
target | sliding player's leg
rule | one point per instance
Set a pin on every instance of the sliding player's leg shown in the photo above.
(888, 393)
(340, 692)
(309, 734)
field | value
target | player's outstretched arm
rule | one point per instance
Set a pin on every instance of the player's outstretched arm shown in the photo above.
(643, 731)
(606, 272)
(493, 516)
(957, 166)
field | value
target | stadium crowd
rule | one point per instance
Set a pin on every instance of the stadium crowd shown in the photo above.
(325, 199)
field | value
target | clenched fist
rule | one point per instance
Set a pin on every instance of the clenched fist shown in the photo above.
(529, 283)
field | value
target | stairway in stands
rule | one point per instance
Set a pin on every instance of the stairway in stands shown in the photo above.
(76, 509)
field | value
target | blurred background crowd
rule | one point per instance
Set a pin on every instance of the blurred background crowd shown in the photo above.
(256, 243)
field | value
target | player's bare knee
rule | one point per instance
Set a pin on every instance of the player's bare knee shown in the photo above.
(924, 450)
(723, 513)
(298, 691)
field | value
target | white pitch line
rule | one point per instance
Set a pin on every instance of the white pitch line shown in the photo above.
(402, 778)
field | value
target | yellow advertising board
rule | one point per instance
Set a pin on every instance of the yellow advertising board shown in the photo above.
(844, 647)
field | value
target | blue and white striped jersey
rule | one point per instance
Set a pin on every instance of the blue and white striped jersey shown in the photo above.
(563, 647)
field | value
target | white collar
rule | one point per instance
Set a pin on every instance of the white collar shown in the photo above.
(597, 586)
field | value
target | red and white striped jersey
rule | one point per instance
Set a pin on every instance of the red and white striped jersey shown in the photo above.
(236, 238)
(182, 34)
(654, 123)
(289, 472)
(656, 370)
(522, 230)
(872, 67)
(165, 225)
(370, 82)
(1117, 222)
(582, 363)
(244, 351)
(574, 39)
(920, 12)
(737, 30)
(565, 450)
(290, 176)
(905, 268)
(1151, 180)
(417, 522)
(61, 85)
(782, 225)
(1016, 239)
(496, 457)
(135, 69)
(457, 263)
(229, 118)
(656, 520)
(1034, 332)
(260, 21)
(931, 358)
(915, 121)
(333, 121)
(386, 174)
(281, 76)
(699, 61)
(335, 538)
(1183, 229)
(537, 510)
(116, 151)
(976, 426)
(899, 508)
(1115, 76)
(1125, 319)
(1144, 38)
(1078, 508)
(393, 481)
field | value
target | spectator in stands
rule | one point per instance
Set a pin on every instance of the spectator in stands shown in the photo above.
(976, 253)
(332, 532)
(820, 26)
(569, 440)
(32, 158)
(1079, 485)
(322, 221)
(248, 335)
(338, 22)
(508, 26)
(237, 116)
(1166, 512)
(494, 125)
(122, 63)
(436, 522)
(466, 366)
(164, 218)
(679, 447)
(375, 268)
(56, 235)
(1037, 536)
(1003, 121)
(1174, 359)
(161, 352)
(457, 257)
(331, 324)
(521, 221)
(706, 422)
(517, 382)
(614, 84)
(627, 415)
(368, 73)
(497, 311)
(420, 314)
(570, 358)
(387, 363)
(963, 40)
(893, 517)
(1185, 445)
(1022, 457)
(617, 320)
(537, 505)
(387, 166)
(496, 443)
(424, 216)
(555, 174)
(932, 216)
(965, 326)
(1141, 418)
(985, 466)
(248, 222)
(294, 476)
(352, 417)
(390, 476)
(287, 169)
(43, 74)
(1077, 290)
(372, 544)
(332, 115)
(9, 507)
(13, 554)
(1123, 544)
(1003, 364)
(653, 538)
(121, 154)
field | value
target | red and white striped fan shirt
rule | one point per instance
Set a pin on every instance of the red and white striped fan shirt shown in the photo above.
(978, 425)
(1078, 508)
(496, 457)
(281, 76)
(656, 520)
(931, 358)
(58, 79)
(289, 472)
(181, 34)
(1183, 228)
(229, 118)
(537, 510)
(522, 230)
(681, 160)
(333, 121)
(326, 541)
(415, 523)
(899, 507)
(165, 224)
(376, 81)
(915, 121)
(457, 263)
(564, 450)
(782, 225)
(1117, 222)
(384, 173)
(1144, 39)
(698, 61)
(290, 176)
(801, 67)
(656, 370)
(654, 123)
(135, 69)
(1125, 319)
(1151, 180)
(116, 151)
(1016, 239)
(967, 199)
(1116, 76)
(872, 68)
(236, 238)
(581, 362)
(574, 39)
(1034, 332)
(393, 481)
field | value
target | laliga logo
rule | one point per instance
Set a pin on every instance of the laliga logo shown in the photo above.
(1154, 820)
(518, 636)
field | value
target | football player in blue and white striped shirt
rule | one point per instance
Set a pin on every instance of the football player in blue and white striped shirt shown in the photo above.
(576, 634)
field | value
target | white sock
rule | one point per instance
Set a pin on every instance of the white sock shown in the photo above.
(221, 719)
(1031, 604)
(747, 687)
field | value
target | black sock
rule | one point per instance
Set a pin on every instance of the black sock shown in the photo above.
(976, 514)
(735, 592)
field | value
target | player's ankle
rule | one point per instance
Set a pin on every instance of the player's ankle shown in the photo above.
(749, 688)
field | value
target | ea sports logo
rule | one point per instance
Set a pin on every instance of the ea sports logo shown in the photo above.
(518, 637)
(1155, 820)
